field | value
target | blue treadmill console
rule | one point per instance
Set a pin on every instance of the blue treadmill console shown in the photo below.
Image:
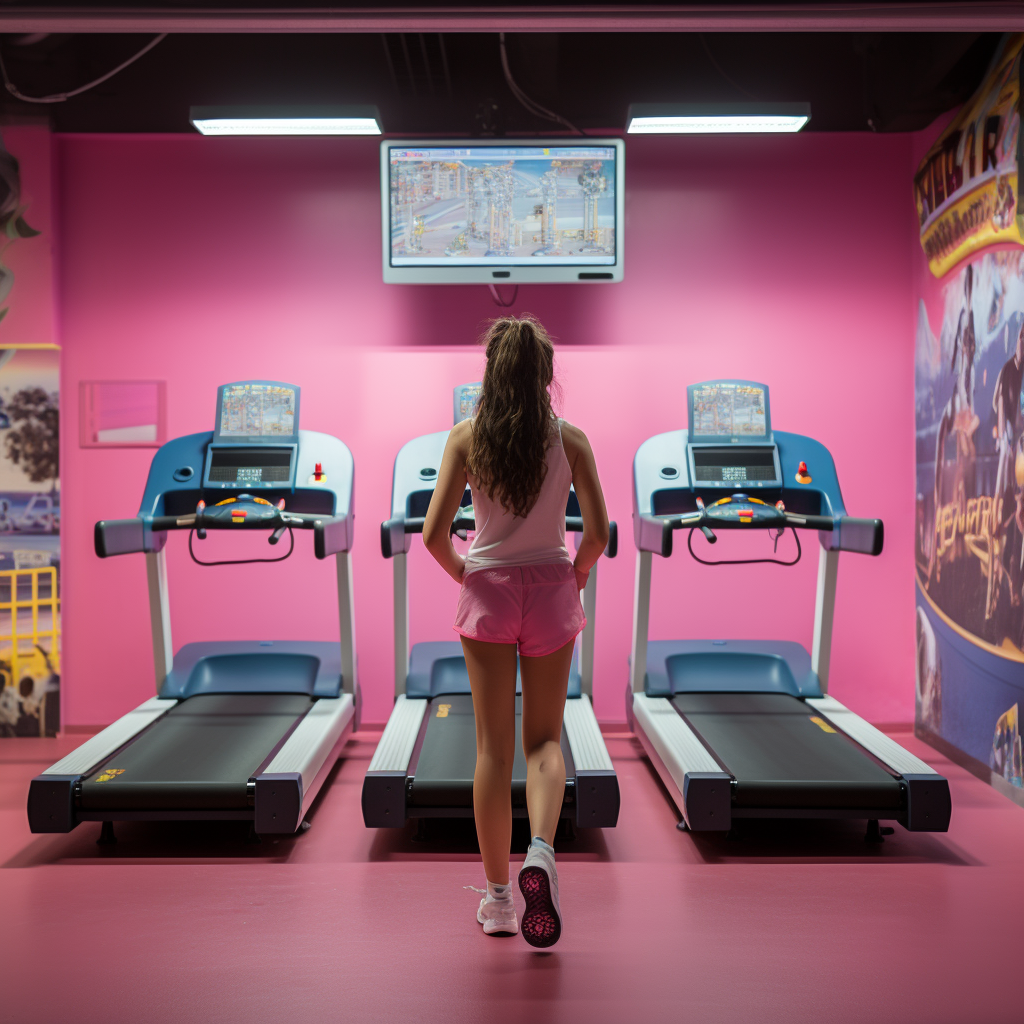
(256, 436)
(730, 444)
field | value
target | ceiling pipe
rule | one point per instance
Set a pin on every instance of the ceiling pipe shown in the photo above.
(995, 16)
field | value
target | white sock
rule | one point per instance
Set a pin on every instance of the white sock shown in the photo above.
(499, 892)
(540, 842)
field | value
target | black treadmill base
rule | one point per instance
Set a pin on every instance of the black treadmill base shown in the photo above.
(166, 815)
(518, 813)
(822, 813)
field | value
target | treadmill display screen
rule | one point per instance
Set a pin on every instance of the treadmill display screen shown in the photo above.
(729, 409)
(747, 466)
(251, 466)
(467, 398)
(257, 410)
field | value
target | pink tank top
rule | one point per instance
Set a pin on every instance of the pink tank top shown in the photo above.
(538, 538)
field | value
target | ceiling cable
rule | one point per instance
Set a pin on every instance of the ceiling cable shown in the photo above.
(531, 105)
(60, 97)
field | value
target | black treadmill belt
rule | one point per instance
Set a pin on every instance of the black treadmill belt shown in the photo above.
(444, 772)
(781, 757)
(198, 756)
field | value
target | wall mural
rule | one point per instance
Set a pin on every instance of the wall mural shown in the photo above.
(29, 541)
(970, 511)
(969, 377)
(29, 459)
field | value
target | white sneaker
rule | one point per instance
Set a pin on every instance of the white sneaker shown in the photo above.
(538, 882)
(497, 916)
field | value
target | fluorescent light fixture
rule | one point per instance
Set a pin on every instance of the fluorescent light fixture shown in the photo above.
(716, 118)
(348, 120)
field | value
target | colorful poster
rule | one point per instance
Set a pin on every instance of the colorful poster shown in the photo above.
(29, 435)
(966, 187)
(970, 511)
(29, 541)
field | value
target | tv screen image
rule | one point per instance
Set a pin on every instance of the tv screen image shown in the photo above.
(514, 211)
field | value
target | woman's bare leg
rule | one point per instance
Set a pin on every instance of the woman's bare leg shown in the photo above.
(545, 681)
(492, 677)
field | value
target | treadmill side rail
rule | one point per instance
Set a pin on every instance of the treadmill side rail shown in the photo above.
(51, 806)
(384, 785)
(99, 747)
(694, 779)
(287, 786)
(885, 748)
(597, 788)
(928, 801)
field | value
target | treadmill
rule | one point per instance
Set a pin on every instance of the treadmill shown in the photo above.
(423, 766)
(746, 728)
(238, 730)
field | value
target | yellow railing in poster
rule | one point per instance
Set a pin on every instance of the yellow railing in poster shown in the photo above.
(27, 648)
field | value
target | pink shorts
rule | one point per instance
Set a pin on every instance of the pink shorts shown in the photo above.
(535, 606)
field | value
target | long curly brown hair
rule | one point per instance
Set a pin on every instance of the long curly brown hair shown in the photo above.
(513, 426)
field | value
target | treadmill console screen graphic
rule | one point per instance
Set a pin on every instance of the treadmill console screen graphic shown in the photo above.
(257, 410)
(264, 466)
(734, 466)
(502, 205)
(729, 410)
(467, 398)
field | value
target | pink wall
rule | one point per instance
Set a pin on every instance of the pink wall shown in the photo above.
(206, 260)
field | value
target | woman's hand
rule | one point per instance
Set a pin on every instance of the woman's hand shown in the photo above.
(591, 499)
(582, 575)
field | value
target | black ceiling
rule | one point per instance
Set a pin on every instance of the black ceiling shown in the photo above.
(441, 83)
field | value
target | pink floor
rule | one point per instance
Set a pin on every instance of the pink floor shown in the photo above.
(342, 924)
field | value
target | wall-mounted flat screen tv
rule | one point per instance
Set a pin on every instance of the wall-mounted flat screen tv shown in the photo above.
(502, 211)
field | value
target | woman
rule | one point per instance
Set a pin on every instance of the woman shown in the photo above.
(520, 594)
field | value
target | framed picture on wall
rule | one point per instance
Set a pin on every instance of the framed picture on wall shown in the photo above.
(122, 413)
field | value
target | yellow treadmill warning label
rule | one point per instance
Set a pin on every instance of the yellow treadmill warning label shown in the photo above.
(822, 724)
(109, 773)
(443, 709)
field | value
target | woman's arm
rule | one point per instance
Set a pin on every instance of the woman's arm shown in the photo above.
(591, 499)
(444, 503)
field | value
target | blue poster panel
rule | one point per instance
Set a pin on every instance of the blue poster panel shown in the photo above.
(970, 514)
(29, 541)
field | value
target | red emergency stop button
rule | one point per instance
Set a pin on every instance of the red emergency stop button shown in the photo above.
(802, 475)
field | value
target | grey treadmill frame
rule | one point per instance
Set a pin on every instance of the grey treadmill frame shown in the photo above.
(696, 782)
(385, 785)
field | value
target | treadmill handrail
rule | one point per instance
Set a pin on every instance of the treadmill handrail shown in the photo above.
(392, 531)
(860, 536)
(332, 534)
